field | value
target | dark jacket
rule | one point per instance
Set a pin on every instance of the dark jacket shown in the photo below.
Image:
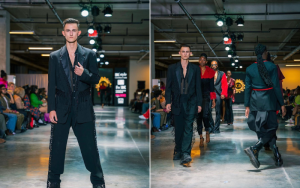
(172, 93)
(59, 85)
(266, 100)
(221, 86)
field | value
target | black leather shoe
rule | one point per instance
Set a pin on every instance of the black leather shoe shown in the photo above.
(99, 186)
(177, 155)
(216, 131)
(185, 158)
(252, 153)
(53, 184)
(277, 156)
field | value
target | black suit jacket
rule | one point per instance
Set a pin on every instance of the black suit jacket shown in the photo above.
(194, 94)
(59, 85)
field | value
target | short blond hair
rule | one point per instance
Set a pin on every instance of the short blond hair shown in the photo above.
(20, 92)
(10, 83)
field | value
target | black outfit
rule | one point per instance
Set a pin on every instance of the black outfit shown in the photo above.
(263, 102)
(228, 110)
(208, 93)
(185, 96)
(70, 96)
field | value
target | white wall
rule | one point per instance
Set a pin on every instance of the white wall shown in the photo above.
(138, 72)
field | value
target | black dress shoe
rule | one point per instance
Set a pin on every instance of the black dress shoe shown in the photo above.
(185, 158)
(216, 131)
(277, 156)
(99, 186)
(23, 130)
(53, 184)
(177, 155)
(252, 153)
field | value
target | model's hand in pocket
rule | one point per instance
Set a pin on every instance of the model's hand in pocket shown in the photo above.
(53, 116)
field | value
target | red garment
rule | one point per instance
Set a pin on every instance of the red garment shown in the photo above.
(231, 85)
(146, 114)
(2, 81)
(209, 74)
(224, 86)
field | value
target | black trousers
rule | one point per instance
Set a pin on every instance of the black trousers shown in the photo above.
(204, 116)
(216, 125)
(228, 110)
(86, 136)
(183, 131)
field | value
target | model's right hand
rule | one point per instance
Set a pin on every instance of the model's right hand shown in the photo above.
(168, 108)
(53, 116)
(283, 110)
(222, 96)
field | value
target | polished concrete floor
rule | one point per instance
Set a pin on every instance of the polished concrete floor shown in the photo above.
(123, 143)
(223, 163)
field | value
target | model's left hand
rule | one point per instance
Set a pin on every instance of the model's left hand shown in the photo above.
(79, 69)
(199, 109)
(213, 103)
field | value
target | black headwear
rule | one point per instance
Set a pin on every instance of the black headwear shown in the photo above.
(263, 72)
(3, 73)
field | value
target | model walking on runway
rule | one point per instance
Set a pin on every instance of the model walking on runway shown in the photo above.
(183, 92)
(72, 72)
(262, 98)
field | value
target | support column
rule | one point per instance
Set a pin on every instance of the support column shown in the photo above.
(4, 41)
(152, 54)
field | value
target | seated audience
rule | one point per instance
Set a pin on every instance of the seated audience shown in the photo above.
(156, 107)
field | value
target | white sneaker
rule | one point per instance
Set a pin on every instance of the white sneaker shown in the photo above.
(287, 121)
(289, 125)
(292, 121)
(142, 117)
(40, 121)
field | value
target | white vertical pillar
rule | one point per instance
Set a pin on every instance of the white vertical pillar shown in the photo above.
(152, 54)
(4, 41)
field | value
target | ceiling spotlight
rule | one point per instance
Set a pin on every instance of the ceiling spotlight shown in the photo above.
(102, 55)
(233, 48)
(232, 64)
(92, 41)
(99, 29)
(94, 48)
(84, 12)
(220, 22)
(233, 37)
(233, 54)
(106, 62)
(229, 21)
(95, 11)
(91, 30)
(236, 67)
(107, 11)
(240, 37)
(227, 48)
(240, 21)
(98, 59)
(241, 67)
(107, 29)
(236, 60)
(226, 37)
(229, 54)
(101, 63)
(99, 41)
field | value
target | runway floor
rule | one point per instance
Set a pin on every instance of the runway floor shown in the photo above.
(123, 143)
(223, 163)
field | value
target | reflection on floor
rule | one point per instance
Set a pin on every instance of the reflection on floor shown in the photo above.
(223, 163)
(123, 142)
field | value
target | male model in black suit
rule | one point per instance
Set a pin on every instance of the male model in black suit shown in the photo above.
(183, 93)
(72, 72)
(221, 87)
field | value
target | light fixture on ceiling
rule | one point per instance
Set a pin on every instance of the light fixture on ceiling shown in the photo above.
(91, 30)
(164, 41)
(92, 41)
(232, 64)
(102, 55)
(106, 62)
(241, 67)
(107, 29)
(236, 60)
(240, 21)
(226, 37)
(45, 55)
(95, 48)
(194, 61)
(84, 12)
(40, 48)
(98, 59)
(234, 54)
(21, 32)
(99, 48)
(220, 22)
(95, 11)
(227, 48)
(236, 67)
(230, 54)
(233, 37)
(229, 21)
(101, 63)
(296, 59)
(240, 37)
(99, 29)
(108, 11)
(292, 65)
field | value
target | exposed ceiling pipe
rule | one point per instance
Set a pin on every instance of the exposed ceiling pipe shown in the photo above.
(161, 64)
(53, 10)
(106, 52)
(18, 59)
(143, 57)
(77, 3)
(292, 53)
(154, 16)
(194, 23)
(112, 23)
(63, 43)
(196, 58)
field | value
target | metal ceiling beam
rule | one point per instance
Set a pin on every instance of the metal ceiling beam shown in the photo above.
(291, 53)
(112, 23)
(289, 36)
(106, 52)
(161, 64)
(143, 57)
(76, 3)
(23, 61)
(54, 11)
